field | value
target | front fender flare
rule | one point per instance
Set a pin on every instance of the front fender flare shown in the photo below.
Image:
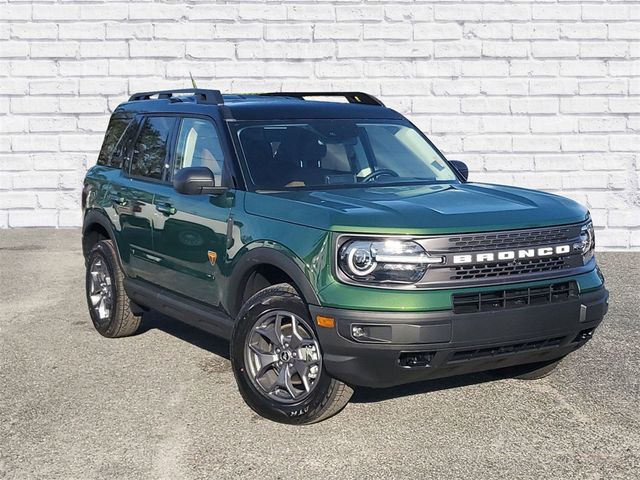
(267, 256)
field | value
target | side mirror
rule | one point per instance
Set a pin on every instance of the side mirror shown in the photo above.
(461, 167)
(196, 181)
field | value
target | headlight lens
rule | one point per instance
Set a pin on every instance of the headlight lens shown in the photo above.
(384, 261)
(587, 242)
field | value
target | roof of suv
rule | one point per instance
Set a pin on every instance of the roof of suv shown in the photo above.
(264, 107)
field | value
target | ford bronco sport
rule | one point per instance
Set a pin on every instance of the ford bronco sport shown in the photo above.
(332, 244)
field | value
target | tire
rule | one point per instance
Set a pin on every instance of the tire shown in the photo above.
(108, 303)
(307, 397)
(531, 371)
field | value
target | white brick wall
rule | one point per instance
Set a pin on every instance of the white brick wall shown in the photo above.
(540, 94)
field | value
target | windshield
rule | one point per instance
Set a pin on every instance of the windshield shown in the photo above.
(322, 153)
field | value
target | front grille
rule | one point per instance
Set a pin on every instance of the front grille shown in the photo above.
(527, 266)
(505, 269)
(508, 240)
(477, 353)
(514, 298)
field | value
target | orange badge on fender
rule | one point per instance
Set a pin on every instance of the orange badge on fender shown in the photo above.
(213, 256)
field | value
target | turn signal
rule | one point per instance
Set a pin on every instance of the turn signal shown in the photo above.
(327, 322)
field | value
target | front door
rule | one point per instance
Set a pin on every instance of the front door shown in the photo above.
(190, 231)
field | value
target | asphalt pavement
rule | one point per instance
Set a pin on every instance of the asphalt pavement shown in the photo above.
(164, 404)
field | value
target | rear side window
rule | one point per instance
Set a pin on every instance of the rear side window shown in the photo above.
(149, 157)
(109, 155)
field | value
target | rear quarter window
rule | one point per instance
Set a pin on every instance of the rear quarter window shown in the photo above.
(109, 153)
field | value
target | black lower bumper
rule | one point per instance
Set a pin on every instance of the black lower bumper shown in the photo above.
(410, 347)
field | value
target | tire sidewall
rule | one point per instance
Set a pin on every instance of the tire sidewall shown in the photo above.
(289, 413)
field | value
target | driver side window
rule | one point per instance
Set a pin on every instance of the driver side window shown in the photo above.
(199, 146)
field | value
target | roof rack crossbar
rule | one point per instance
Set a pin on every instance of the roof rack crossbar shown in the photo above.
(352, 97)
(211, 97)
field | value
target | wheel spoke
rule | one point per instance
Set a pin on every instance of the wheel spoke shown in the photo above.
(266, 360)
(297, 339)
(102, 308)
(95, 277)
(302, 368)
(95, 287)
(277, 326)
(95, 299)
(284, 381)
(270, 334)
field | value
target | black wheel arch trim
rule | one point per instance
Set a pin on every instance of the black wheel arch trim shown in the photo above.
(93, 217)
(272, 257)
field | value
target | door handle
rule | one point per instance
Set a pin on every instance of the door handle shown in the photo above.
(166, 208)
(117, 199)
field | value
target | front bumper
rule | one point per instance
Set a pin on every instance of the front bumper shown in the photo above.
(445, 343)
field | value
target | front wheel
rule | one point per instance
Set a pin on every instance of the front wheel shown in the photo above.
(277, 360)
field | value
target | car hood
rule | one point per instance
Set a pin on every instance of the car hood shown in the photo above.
(418, 209)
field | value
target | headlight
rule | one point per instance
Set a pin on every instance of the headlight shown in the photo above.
(379, 261)
(587, 241)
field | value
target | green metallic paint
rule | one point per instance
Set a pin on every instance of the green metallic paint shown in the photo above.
(182, 240)
(418, 209)
(309, 248)
(299, 225)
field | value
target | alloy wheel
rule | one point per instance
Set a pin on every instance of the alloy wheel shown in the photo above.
(282, 355)
(101, 290)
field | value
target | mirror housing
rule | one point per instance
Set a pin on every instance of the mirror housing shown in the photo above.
(196, 181)
(461, 168)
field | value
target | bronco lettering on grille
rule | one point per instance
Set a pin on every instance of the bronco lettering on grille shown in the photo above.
(506, 255)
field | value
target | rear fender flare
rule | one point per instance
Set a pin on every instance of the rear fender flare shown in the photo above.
(96, 217)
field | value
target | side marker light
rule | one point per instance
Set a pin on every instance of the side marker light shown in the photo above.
(326, 322)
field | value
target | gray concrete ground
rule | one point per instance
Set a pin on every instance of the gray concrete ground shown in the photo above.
(163, 404)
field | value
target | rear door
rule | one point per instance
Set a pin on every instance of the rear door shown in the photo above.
(190, 231)
(144, 171)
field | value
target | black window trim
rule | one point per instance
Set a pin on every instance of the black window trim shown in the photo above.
(126, 155)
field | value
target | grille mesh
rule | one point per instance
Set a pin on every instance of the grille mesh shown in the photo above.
(500, 240)
(505, 269)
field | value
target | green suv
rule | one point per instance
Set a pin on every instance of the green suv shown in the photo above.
(332, 243)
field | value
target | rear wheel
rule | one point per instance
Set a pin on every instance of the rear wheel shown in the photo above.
(277, 360)
(531, 371)
(108, 303)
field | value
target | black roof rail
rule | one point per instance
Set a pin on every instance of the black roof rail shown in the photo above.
(211, 97)
(352, 97)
